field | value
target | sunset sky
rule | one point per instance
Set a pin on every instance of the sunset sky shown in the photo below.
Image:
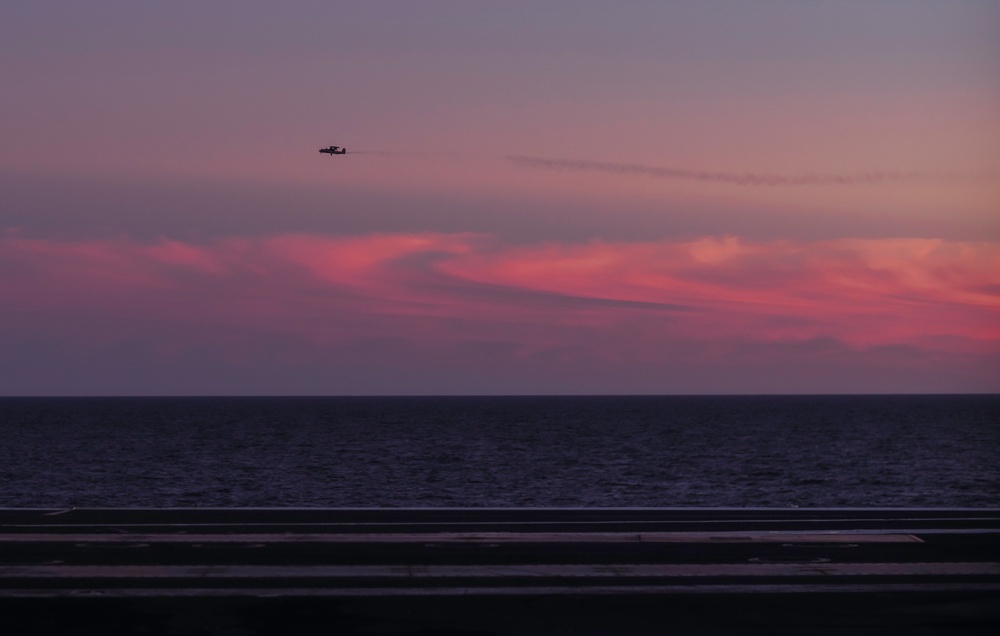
(540, 197)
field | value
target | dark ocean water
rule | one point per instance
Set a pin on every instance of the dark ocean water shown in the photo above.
(926, 451)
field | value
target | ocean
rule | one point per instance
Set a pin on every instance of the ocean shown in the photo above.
(639, 451)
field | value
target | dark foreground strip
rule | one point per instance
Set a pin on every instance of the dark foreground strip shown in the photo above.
(928, 590)
(465, 537)
(338, 552)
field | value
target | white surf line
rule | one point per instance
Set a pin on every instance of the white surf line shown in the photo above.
(446, 522)
(476, 537)
(499, 572)
(686, 589)
(558, 509)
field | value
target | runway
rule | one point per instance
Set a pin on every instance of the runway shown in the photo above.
(504, 571)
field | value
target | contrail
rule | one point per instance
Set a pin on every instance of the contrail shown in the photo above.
(735, 178)
(407, 153)
(378, 152)
(712, 176)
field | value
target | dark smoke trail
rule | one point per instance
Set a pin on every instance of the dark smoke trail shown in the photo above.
(749, 179)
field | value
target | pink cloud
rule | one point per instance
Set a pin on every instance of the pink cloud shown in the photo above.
(865, 292)
(467, 301)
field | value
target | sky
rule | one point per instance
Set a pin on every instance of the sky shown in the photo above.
(539, 197)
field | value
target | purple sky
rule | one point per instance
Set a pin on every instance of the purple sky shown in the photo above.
(542, 197)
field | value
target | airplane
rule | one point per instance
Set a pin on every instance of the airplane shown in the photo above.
(334, 150)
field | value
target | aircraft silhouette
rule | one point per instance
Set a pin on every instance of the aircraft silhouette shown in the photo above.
(334, 150)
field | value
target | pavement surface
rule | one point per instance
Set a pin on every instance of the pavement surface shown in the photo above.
(500, 571)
